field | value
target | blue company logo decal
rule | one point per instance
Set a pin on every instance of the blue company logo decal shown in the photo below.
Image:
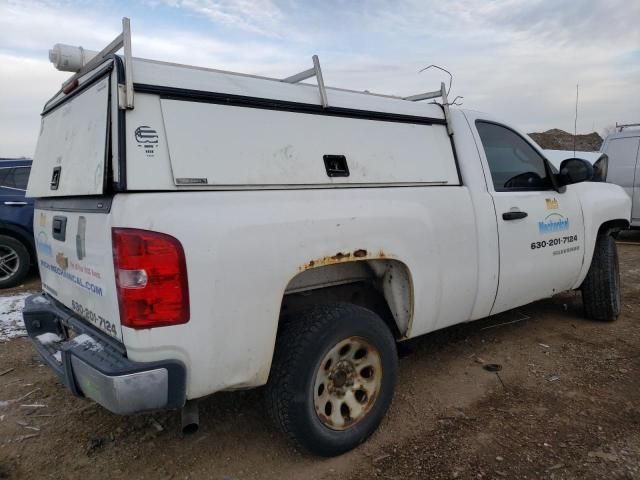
(553, 223)
(42, 244)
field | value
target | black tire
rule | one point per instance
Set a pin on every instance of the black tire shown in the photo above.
(13, 271)
(300, 348)
(601, 287)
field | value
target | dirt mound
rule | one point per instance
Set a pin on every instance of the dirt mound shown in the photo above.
(556, 139)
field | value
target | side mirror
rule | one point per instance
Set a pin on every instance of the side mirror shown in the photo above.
(575, 170)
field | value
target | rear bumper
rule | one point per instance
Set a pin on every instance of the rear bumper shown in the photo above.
(94, 365)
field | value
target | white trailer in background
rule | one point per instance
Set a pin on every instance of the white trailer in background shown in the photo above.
(623, 149)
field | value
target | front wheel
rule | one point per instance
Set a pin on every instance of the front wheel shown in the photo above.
(601, 287)
(332, 378)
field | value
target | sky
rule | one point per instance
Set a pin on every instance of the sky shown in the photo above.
(518, 60)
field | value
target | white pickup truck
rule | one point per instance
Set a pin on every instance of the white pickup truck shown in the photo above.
(200, 231)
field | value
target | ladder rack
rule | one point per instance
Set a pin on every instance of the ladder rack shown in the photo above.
(316, 71)
(125, 92)
(622, 126)
(435, 94)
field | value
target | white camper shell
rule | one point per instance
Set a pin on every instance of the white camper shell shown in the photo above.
(163, 155)
(200, 231)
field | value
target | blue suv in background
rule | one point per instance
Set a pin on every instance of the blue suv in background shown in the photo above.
(17, 250)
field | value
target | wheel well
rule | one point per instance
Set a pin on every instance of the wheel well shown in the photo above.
(614, 226)
(382, 286)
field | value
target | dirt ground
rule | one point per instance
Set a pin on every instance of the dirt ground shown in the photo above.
(566, 404)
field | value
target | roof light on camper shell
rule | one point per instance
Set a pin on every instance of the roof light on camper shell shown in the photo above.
(70, 87)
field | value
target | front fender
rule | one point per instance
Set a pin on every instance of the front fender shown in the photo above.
(601, 203)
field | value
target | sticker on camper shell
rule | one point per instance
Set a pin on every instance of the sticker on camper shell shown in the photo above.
(147, 139)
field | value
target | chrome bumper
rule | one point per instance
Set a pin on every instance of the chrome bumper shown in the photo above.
(94, 365)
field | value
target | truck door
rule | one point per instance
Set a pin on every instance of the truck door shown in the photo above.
(15, 209)
(540, 231)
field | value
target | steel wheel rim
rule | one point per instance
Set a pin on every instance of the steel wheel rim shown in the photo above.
(9, 262)
(347, 383)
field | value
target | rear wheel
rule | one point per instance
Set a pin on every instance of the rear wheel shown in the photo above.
(332, 378)
(14, 261)
(601, 287)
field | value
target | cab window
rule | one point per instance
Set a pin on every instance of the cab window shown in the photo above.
(514, 164)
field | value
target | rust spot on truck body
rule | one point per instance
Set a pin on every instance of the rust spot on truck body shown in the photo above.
(340, 257)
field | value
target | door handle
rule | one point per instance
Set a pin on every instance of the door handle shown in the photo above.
(336, 165)
(59, 228)
(15, 204)
(55, 178)
(516, 215)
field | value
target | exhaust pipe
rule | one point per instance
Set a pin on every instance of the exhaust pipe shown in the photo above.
(190, 417)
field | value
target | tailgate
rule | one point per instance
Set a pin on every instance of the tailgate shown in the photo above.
(73, 240)
(73, 234)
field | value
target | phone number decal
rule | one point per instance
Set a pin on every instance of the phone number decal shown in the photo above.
(94, 318)
(553, 242)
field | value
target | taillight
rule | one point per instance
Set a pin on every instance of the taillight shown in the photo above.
(151, 277)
